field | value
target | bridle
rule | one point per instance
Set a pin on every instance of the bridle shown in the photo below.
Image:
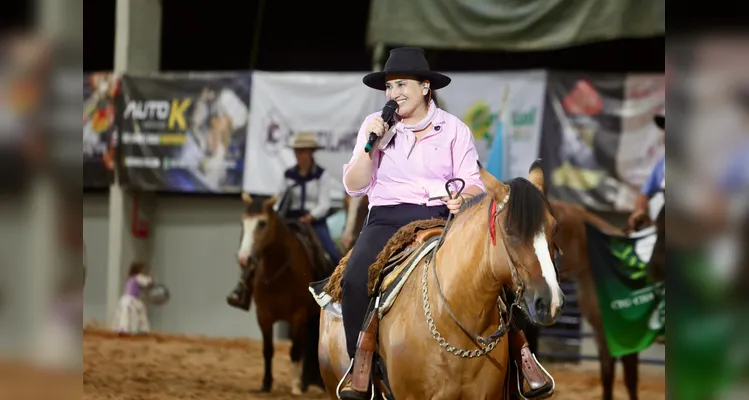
(253, 261)
(485, 344)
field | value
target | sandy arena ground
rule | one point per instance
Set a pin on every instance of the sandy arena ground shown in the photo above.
(161, 367)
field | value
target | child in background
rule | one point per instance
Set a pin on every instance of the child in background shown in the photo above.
(131, 316)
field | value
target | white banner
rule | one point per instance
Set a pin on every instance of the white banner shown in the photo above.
(333, 105)
(504, 105)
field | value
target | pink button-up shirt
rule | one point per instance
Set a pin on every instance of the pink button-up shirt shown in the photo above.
(412, 172)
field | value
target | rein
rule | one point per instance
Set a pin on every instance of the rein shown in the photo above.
(487, 344)
(253, 259)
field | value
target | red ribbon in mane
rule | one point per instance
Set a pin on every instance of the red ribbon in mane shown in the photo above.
(492, 225)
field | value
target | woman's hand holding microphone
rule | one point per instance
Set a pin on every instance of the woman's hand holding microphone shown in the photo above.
(378, 126)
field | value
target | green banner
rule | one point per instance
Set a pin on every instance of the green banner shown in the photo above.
(528, 25)
(632, 307)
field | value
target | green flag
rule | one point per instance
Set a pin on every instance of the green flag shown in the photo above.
(633, 308)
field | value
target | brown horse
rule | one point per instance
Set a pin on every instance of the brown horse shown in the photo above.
(356, 213)
(280, 270)
(498, 240)
(573, 242)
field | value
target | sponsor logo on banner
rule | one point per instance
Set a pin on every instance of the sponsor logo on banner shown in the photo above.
(185, 132)
(277, 137)
(524, 124)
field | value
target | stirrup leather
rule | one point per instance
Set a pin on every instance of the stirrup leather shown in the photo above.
(346, 375)
(520, 381)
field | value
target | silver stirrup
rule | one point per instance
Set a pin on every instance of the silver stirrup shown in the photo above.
(548, 375)
(348, 371)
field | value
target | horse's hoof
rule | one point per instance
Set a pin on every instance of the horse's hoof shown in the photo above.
(296, 387)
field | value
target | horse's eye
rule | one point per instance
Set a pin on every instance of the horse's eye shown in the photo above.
(261, 224)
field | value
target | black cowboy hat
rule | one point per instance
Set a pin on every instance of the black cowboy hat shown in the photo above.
(660, 120)
(406, 61)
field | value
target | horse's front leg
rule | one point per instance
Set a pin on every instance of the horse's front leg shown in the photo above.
(266, 327)
(298, 346)
(608, 366)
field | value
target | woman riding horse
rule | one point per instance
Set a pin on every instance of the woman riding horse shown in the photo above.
(404, 181)
(306, 188)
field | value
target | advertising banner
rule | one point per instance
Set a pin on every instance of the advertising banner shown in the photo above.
(185, 132)
(332, 105)
(504, 111)
(600, 142)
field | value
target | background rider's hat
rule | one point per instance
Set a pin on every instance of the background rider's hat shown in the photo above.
(660, 120)
(406, 61)
(305, 140)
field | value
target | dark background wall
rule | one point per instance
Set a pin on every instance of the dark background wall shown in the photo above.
(323, 36)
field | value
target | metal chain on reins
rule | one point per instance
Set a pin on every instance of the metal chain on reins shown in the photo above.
(486, 346)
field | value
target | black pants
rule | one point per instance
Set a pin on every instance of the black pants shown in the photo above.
(382, 222)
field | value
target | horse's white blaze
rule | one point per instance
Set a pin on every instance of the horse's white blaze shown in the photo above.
(541, 246)
(248, 230)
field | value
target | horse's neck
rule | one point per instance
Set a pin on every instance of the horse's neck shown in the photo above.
(279, 237)
(464, 269)
(285, 243)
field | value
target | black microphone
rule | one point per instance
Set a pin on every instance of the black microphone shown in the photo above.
(387, 115)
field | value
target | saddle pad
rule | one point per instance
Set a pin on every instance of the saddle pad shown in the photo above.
(398, 278)
(394, 280)
(323, 299)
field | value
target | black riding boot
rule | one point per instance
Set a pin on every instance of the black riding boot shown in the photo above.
(357, 382)
(241, 296)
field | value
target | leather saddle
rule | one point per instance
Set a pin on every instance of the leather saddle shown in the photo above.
(396, 260)
(315, 251)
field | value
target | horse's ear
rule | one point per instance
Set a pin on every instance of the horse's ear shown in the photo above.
(246, 198)
(493, 185)
(269, 203)
(536, 176)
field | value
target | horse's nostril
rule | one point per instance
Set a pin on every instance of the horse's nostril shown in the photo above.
(542, 305)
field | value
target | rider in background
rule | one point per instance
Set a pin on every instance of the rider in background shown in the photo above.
(304, 199)
(655, 182)
(404, 180)
(309, 190)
